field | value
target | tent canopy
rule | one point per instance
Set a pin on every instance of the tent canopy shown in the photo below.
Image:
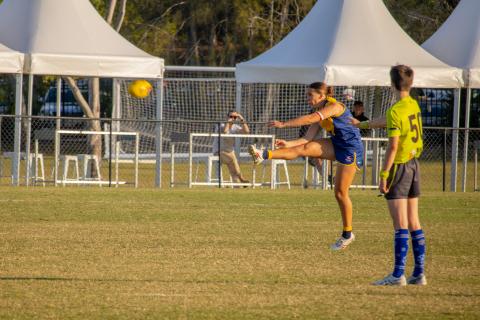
(347, 42)
(10, 61)
(457, 42)
(69, 37)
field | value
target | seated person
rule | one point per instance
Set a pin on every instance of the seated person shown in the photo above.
(227, 154)
(359, 111)
(359, 114)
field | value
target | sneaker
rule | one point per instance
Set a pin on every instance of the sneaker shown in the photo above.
(256, 154)
(342, 243)
(420, 280)
(390, 280)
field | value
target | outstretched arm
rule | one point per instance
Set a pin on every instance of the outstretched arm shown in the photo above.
(331, 110)
(371, 124)
(311, 133)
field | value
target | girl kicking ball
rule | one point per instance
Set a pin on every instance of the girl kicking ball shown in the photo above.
(344, 145)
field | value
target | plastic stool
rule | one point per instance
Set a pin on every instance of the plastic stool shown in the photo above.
(209, 160)
(85, 159)
(66, 159)
(36, 160)
(277, 182)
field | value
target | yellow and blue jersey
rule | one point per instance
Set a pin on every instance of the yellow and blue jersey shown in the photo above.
(345, 138)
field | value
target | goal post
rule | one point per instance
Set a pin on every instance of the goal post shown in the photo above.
(114, 150)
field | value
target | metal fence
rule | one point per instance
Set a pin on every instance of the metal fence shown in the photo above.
(64, 151)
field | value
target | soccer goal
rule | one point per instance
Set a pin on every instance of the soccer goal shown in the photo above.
(75, 163)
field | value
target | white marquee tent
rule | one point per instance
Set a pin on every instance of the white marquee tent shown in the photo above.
(70, 38)
(457, 42)
(347, 42)
(12, 62)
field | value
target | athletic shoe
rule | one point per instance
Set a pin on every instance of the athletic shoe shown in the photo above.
(420, 280)
(390, 280)
(342, 243)
(256, 154)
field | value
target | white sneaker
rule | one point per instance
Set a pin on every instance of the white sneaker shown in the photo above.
(256, 154)
(342, 243)
(390, 280)
(420, 280)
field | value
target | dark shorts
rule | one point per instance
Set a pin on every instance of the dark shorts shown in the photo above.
(404, 181)
(351, 156)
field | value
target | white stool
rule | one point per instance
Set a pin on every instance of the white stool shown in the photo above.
(209, 160)
(65, 160)
(85, 159)
(276, 181)
(315, 176)
(36, 162)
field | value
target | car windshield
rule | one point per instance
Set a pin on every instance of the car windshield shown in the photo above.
(67, 97)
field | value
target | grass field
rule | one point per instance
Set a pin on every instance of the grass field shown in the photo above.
(77, 253)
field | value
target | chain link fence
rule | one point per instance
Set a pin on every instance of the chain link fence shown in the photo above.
(64, 152)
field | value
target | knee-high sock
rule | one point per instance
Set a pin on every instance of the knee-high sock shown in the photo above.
(418, 246)
(401, 249)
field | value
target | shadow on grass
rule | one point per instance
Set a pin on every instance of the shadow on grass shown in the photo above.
(77, 279)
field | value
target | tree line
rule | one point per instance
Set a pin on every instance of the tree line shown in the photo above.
(224, 32)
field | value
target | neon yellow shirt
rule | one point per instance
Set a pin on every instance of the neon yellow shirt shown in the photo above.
(404, 120)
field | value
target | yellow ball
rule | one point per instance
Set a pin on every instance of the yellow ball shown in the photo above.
(140, 88)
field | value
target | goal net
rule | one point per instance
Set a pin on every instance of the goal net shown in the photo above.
(197, 100)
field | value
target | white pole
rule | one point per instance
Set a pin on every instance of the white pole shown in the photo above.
(466, 138)
(238, 108)
(190, 160)
(18, 129)
(273, 179)
(137, 144)
(57, 152)
(159, 136)
(116, 104)
(59, 103)
(29, 128)
(456, 125)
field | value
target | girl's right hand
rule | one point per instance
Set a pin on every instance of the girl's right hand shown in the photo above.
(279, 143)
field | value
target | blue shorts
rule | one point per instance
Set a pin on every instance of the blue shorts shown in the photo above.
(349, 156)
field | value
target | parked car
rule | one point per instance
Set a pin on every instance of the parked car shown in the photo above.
(69, 106)
(436, 107)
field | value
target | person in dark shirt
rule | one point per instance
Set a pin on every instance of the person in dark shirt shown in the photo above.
(359, 111)
(359, 114)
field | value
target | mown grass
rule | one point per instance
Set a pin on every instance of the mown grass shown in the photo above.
(76, 253)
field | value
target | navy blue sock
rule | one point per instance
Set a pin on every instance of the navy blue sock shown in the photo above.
(347, 234)
(265, 154)
(418, 246)
(401, 249)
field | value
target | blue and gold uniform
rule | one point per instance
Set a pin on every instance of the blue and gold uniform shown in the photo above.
(345, 138)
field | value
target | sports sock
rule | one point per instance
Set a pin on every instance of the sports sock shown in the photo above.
(347, 232)
(267, 154)
(418, 246)
(401, 249)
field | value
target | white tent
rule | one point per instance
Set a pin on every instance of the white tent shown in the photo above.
(347, 42)
(457, 42)
(69, 37)
(10, 61)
